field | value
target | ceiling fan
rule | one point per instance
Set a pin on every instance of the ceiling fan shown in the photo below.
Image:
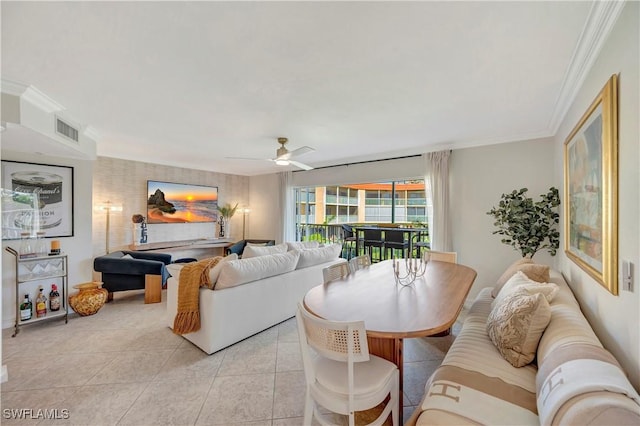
(284, 157)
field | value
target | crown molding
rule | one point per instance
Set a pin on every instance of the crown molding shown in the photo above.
(40, 100)
(602, 17)
(31, 95)
(12, 87)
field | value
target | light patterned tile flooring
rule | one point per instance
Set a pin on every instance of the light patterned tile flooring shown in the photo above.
(124, 366)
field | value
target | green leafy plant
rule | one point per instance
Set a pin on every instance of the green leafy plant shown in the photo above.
(527, 225)
(227, 211)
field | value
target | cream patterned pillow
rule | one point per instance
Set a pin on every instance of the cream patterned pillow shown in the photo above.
(532, 270)
(520, 281)
(515, 325)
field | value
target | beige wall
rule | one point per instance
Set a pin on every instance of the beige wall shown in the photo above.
(124, 182)
(479, 176)
(266, 214)
(616, 319)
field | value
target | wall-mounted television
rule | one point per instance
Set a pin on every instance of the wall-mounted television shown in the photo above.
(178, 202)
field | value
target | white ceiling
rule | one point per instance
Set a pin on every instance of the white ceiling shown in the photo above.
(190, 83)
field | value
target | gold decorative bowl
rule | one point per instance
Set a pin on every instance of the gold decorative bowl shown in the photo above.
(90, 298)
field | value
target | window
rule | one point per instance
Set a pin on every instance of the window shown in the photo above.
(383, 202)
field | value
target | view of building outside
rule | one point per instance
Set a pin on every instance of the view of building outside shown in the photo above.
(363, 203)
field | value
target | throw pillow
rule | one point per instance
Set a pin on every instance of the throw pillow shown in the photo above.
(515, 326)
(319, 255)
(532, 270)
(127, 256)
(214, 272)
(255, 251)
(256, 244)
(520, 281)
(302, 245)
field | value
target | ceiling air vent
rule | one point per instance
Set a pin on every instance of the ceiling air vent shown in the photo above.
(66, 130)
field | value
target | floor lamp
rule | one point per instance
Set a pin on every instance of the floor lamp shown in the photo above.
(108, 207)
(245, 212)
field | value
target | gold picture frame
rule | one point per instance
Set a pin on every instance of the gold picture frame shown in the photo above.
(591, 189)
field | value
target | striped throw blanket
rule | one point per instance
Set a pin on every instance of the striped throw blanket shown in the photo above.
(192, 276)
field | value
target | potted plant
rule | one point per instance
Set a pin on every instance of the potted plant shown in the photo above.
(226, 213)
(529, 226)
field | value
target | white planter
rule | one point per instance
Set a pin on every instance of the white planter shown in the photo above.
(137, 233)
(224, 228)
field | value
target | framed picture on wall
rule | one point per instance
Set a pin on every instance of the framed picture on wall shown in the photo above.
(36, 197)
(591, 189)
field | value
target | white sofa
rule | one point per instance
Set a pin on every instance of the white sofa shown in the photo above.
(242, 309)
(576, 381)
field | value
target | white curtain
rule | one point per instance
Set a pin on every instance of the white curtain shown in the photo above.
(286, 201)
(436, 181)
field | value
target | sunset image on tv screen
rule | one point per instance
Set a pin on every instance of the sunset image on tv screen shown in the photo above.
(178, 202)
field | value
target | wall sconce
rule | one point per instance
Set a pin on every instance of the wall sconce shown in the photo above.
(108, 207)
(245, 212)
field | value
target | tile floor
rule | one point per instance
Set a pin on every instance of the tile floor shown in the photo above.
(124, 366)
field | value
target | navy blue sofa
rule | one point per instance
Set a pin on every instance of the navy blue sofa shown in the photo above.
(121, 274)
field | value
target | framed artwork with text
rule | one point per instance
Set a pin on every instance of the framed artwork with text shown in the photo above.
(36, 198)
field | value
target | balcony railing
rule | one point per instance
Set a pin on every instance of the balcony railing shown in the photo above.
(333, 233)
(319, 232)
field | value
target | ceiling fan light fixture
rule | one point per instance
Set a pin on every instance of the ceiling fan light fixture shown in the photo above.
(282, 162)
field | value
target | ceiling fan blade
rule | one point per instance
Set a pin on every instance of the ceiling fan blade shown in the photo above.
(300, 151)
(301, 165)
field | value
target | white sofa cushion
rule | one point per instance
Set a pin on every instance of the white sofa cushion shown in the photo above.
(242, 271)
(315, 256)
(256, 251)
(174, 269)
(302, 245)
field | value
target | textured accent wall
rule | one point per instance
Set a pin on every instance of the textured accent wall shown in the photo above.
(124, 182)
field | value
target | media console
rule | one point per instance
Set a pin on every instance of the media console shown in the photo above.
(198, 248)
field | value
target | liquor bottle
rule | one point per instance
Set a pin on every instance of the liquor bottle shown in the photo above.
(26, 308)
(54, 298)
(41, 304)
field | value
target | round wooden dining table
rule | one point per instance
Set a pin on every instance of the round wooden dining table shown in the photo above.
(392, 311)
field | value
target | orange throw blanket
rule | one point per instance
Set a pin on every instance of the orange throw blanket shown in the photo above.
(192, 276)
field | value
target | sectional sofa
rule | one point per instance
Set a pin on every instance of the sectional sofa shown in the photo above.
(253, 293)
(574, 381)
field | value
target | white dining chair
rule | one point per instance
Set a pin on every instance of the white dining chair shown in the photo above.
(441, 256)
(359, 262)
(336, 271)
(343, 377)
